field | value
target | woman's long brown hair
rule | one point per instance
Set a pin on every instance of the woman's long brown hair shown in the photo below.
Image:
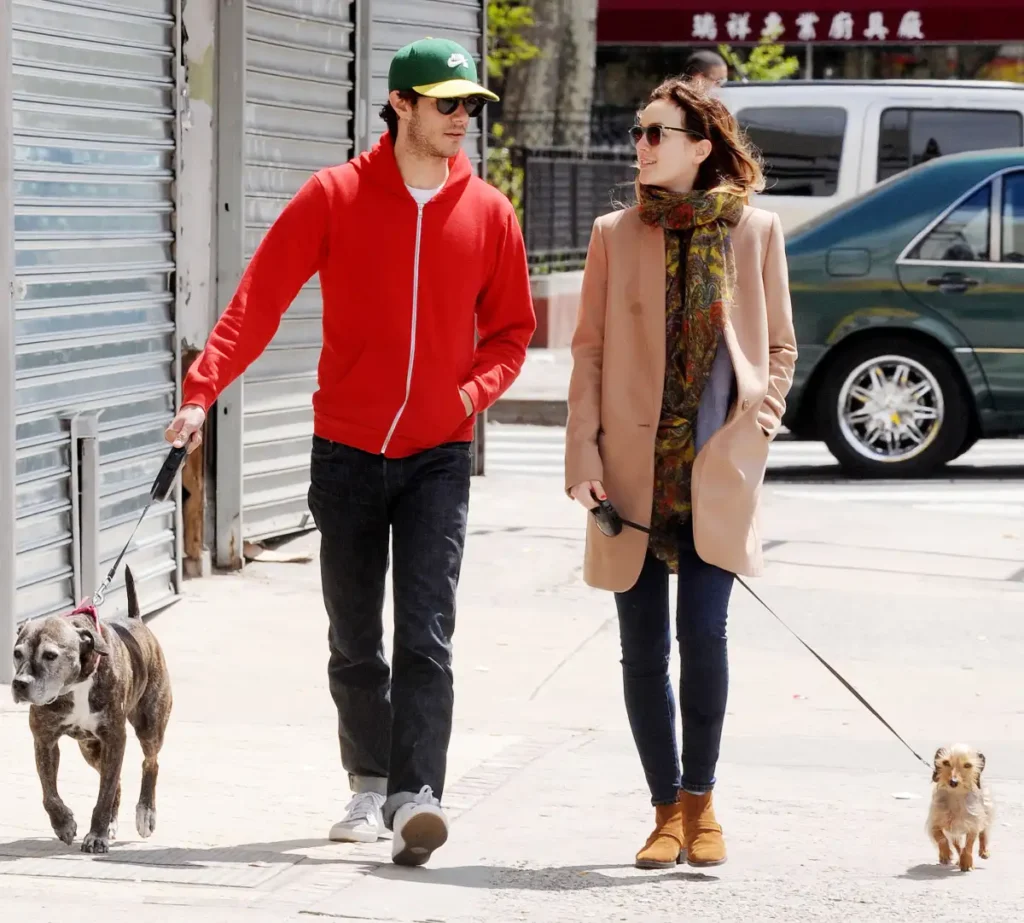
(733, 165)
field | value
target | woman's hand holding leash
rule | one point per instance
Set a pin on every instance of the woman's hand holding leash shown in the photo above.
(588, 494)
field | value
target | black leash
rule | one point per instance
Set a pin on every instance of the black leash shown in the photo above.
(157, 494)
(834, 672)
(611, 523)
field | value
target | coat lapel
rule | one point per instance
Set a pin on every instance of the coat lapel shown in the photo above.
(650, 267)
(741, 366)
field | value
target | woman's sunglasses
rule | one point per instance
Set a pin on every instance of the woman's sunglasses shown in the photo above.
(654, 133)
(473, 104)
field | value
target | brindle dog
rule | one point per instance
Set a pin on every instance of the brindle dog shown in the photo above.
(86, 678)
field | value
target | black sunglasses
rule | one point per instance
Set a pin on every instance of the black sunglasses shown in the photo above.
(473, 105)
(653, 133)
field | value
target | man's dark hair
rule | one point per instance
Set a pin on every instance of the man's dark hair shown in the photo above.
(702, 62)
(387, 112)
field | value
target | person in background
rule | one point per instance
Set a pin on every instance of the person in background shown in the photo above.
(707, 66)
(683, 356)
(416, 256)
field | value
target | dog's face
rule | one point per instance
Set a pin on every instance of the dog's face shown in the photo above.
(958, 768)
(51, 655)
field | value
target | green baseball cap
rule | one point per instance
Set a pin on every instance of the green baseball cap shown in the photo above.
(436, 67)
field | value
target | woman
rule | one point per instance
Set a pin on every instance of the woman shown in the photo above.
(682, 358)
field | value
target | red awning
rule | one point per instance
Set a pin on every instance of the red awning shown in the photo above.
(855, 22)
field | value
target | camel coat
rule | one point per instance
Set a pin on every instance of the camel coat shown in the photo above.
(615, 393)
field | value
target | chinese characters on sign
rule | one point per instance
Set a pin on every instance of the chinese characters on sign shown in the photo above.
(810, 27)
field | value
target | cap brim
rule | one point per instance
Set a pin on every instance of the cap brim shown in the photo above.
(456, 89)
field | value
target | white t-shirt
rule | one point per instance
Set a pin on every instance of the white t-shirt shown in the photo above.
(422, 196)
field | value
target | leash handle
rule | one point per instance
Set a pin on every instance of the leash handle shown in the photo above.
(165, 478)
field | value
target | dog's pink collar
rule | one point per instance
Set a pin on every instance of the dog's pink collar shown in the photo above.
(87, 608)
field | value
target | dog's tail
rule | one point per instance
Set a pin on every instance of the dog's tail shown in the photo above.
(133, 597)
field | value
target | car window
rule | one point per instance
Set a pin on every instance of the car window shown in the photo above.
(1013, 218)
(802, 146)
(907, 137)
(962, 235)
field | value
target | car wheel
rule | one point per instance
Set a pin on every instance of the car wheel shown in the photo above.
(969, 442)
(892, 408)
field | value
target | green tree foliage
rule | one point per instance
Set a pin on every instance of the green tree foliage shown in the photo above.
(507, 44)
(766, 61)
(508, 21)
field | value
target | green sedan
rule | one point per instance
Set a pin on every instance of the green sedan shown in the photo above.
(908, 303)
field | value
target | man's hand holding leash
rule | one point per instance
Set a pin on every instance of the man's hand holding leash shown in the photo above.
(186, 429)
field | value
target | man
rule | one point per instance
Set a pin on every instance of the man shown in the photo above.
(416, 255)
(707, 66)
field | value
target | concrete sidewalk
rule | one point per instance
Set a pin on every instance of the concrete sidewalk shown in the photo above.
(824, 812)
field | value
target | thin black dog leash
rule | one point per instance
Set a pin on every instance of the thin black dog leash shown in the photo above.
(607, 520)
(833, 671)
(158, 492)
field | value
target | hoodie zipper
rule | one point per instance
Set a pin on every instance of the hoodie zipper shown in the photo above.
(412, 337)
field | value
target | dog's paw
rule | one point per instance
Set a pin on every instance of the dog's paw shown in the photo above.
(945, 856)
(984, 854)
(94, 843)
(145, 820)
(966, 861)
(66, 829)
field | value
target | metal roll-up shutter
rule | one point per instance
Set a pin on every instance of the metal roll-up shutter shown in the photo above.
(398, 22)
(298, 119)
(94, 147)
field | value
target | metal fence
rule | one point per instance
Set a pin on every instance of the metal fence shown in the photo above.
(563, 191)
(609, 126)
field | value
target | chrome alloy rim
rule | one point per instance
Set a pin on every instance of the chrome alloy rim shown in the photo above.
(890, 409)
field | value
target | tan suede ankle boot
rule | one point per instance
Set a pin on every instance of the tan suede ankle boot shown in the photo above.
(702, 835)
(664, 846)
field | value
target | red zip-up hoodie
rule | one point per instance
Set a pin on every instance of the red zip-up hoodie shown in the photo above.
(405, 288)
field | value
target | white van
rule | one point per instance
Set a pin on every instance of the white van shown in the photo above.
(825, 141)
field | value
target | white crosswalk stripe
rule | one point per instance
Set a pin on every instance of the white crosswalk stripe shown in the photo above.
(536, 450)
(539, 451)
(988, 498)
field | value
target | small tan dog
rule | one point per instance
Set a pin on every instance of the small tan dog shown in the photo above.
(961, 810)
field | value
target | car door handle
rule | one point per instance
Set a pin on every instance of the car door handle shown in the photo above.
(953, 282)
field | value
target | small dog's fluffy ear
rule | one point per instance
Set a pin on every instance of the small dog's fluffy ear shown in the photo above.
(940, 754)
(981, 763)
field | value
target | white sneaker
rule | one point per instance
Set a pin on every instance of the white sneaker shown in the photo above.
(363, 823)
(419, 828)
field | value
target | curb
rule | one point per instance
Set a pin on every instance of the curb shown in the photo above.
(532, 413)
(551, 413)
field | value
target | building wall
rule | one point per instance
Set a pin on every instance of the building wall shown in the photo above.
(297, 55)
(179, 175)
(8, 547)
(197, 253)
(91, 129)
(197, 174)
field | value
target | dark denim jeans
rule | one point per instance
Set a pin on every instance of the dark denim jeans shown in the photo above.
(394, 730)
(702, 605)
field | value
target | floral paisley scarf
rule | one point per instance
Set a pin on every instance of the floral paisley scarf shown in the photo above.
(700, 279)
